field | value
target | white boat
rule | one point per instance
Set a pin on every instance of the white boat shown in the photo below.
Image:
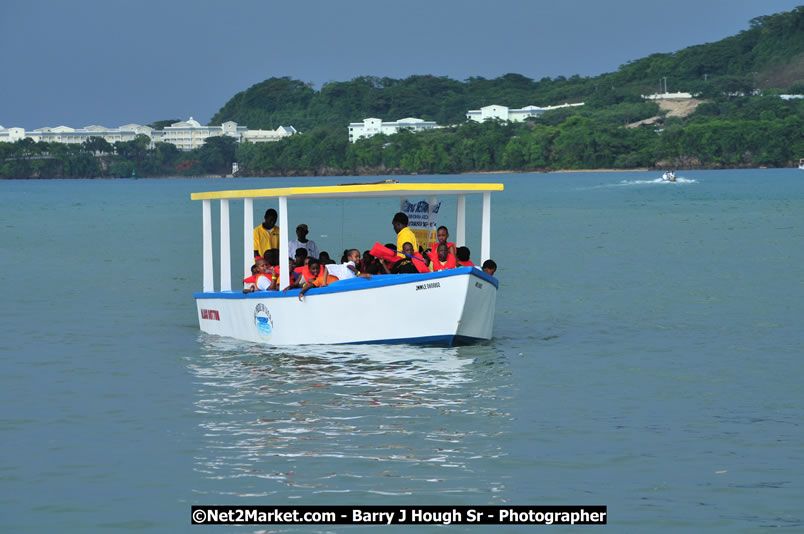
(801, 164)
(669, 176)
(445, 307)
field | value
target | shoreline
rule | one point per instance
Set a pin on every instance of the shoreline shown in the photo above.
(392, 175)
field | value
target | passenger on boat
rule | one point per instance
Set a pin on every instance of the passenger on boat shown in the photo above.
(403, 233)
(349, 268)
(292, 271)
(262, 279)
(441, 259)
(489, 267)
(367, 260)
(374, 267)
(302, 270)
(301, 259)
(324, 258)
(272, 259)
(266, 235)
(421, 263)
(403, 266)
(302, 242)
(463, 257)
(249, 282)
(318, 278)
(442, 236)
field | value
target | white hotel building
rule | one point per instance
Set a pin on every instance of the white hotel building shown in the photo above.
(502, 113)
(189, 134)
(67, 135)
(371, 127)
(186, 135)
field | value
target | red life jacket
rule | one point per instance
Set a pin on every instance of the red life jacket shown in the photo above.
(384, 253)
(437, 265)
(467, 263)
(419, 263)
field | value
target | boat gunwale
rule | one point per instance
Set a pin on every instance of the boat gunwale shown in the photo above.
(355, 284)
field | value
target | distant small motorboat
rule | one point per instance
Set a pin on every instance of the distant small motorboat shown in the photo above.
(669, 176)
(801, 164)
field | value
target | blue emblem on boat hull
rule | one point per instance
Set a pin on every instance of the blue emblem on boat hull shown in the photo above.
(263, 322)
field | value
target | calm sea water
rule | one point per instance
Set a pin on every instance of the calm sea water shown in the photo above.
(647, 356)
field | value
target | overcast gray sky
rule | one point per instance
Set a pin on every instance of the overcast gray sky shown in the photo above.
(111, 62)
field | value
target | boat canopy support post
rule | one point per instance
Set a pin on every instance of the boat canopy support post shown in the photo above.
(460, 222)
(485, 236)
(248, 236)
(226, 251)
(207, 247)
(284, 275)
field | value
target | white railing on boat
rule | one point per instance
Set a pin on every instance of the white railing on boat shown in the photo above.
(337, 191)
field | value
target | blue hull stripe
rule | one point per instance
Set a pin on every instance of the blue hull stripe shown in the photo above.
(355, 284)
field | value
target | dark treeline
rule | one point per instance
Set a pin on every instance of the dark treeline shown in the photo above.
(96, 158)
(729, 130)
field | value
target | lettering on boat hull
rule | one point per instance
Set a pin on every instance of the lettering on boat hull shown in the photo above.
(429, 285)
(212, 315)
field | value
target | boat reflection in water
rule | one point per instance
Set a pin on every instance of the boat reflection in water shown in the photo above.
(367, 419)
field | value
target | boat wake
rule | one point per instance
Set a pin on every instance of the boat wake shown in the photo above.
(678, 180)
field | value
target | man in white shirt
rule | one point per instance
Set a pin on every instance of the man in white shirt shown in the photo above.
(302, 242)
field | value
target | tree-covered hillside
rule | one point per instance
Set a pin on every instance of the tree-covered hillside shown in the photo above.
(770, 53)
(735, 127)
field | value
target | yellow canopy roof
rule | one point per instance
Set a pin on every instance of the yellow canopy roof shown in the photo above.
(353, 191)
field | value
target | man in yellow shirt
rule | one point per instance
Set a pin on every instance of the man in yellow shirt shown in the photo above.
(266, 235)
(403, 233)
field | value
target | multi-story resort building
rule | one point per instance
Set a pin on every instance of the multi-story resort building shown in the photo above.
(267, 136)
(11, 135)
(186, 135)
(189, 134)
(371, 127)
(67, 135)
(502, 113)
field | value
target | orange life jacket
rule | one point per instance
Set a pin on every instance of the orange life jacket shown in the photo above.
(303, 271)
(437, 265)
(318, 281)
(467, 263)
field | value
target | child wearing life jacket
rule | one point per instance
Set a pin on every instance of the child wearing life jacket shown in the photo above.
(463, 257)
(249, 282)
(261, 279)
(271, 271)
(404, 265)
(442, 236)
(319, 277)
(441, 258)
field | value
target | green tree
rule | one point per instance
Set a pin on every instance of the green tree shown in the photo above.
(217, 154)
